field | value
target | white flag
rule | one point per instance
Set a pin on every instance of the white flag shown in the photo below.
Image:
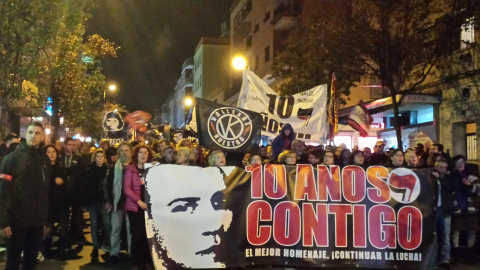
(305, 111)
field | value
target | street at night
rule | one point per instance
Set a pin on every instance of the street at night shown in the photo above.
(239, 134)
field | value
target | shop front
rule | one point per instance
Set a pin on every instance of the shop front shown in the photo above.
(417, 114)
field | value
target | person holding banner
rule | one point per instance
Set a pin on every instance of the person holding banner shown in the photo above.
(255, 159)
(329, 158)
(396, 159)
(358, 158)
(134, 189)
(287, 157)
(183, 156)
(444, 204)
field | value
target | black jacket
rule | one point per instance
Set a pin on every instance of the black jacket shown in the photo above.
(75, 181)
(58, 194)
(446, 194)
(24, 187)
(94, 178)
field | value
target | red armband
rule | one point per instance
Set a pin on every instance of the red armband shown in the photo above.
(6, 177)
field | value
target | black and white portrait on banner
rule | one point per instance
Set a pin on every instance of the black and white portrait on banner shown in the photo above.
(289, 216)
(187, 216)
(114, 127)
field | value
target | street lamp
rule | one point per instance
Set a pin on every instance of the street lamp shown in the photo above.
(239, 63)
(188, 101)
(112, 87)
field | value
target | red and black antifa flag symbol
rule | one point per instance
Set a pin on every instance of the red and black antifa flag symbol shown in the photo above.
(227, 128)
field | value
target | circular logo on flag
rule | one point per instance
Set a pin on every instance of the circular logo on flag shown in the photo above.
(229, 127)
(404, 185)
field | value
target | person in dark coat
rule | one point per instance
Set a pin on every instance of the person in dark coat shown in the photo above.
(283, 141)
(464, 218)
(378, 156)
(443, 200)
(24, 184)
(74, 166)
(94, 178)
(11, 138)
(57, 203)
(396, 159)
(357, 158)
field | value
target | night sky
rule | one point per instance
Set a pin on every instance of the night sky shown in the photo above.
(155, 37)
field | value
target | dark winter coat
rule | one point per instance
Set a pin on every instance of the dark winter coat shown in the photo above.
(75, 180)
(279, 141)
(446, 194)
(58, 195)
(24, 186)
(94, 179)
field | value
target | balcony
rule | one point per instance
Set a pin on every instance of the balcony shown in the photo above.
(188, 63)
(286, 14)
(240, 21)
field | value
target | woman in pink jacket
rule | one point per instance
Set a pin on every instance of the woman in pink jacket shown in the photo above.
(134, 189)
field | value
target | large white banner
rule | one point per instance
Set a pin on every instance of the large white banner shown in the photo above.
(305, 111)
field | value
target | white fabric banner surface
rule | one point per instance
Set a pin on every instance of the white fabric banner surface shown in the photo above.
(305, 111)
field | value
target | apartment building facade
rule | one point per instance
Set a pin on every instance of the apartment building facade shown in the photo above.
(212, 65)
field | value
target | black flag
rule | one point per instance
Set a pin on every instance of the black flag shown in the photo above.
(227, 128)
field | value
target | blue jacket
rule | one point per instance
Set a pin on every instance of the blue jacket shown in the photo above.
(278, 142)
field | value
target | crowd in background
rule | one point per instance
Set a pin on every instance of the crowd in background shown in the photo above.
(108, 182)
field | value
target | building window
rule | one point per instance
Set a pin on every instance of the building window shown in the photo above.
(267, 14)
(256, 62)
(267, 54)
(467, 34)
(257, 26)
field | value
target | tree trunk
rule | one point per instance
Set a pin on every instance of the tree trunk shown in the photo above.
(396, 117)
(55, 116)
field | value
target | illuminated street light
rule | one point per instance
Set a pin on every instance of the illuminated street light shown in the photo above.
(239, 63)
(112, 87)
(188, 101)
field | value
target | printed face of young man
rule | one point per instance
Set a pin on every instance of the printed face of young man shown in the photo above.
(188, 213)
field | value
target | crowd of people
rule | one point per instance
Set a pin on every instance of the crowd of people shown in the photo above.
(108, 182)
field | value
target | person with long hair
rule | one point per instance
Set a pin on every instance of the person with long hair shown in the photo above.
(58, 206)
(197, 157)
(344, 157)
(135, 205)
(357, 158)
